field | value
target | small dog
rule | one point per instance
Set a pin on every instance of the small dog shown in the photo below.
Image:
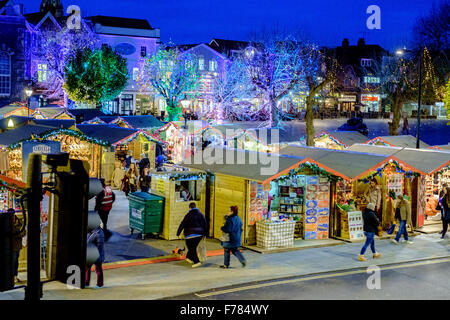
(178, 251)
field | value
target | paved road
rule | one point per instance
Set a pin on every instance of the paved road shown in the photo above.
(425, 280)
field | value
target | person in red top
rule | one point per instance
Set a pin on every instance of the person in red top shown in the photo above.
(103, 205)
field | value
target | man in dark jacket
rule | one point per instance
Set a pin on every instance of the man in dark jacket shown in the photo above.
(103, 205)
(195, 228)
(97, 238)
(370, 228)
(233, 226)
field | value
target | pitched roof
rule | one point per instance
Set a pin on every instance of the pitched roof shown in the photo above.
(406, 141)
(223, 45)
(22, 133)
(346, 137)
(137, 122)
(55, 123)
(17, 120)
(425, 160)
(10, 108)
(352, 165)
(255, 172)
(106, 132)
(50, 112)
(444, 147)
(87, 113)
(119, 22)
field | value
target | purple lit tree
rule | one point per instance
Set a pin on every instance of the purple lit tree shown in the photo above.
(275, 67)
(54, 48)
(232, 91)
(172, 74)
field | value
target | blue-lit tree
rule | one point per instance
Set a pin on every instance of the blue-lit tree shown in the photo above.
(172, 74)
(54, 48)
(318, 71)
(275, 67)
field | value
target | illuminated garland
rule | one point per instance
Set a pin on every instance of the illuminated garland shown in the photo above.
(314, 168)
(68, 132)
(178, 176)
(398, 169)
(325, 134)
(446, 168)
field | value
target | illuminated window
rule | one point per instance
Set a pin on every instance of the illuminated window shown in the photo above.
(42, 72)
(201, 64)
(213, 65)
(143, 51)
(5, 74)
(135, 74)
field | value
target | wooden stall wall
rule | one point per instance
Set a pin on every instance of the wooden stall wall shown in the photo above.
(174, 211)
(107, 165)
(229, 191)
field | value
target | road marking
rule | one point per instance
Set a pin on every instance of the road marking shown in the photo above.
(323, 276)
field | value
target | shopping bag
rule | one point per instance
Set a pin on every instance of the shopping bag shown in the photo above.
(201, 250)
(391, 229)
(379, 231)
(225, 237)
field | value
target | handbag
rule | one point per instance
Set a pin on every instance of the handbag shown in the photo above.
(391, 229)
(225, 237)
(201, 250)
(379, 231)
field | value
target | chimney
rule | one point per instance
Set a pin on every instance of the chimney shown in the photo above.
(345, 43)
(361, 42)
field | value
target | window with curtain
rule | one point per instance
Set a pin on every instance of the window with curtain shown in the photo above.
(5, 74)
(213, 65)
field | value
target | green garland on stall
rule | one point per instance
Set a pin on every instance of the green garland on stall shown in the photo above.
(442, 170)
(314, 168)
(67, 132)
(398, 168)
(178, 176)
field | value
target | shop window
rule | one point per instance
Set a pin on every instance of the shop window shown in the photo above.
(143, 51)
(127, 103)
(42, 72)
(5, 74)
(187, 190)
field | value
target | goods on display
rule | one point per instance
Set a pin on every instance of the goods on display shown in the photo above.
(435, 181)
(258, 209)
(355, 225)
(275, 234)
(395, 183)
(317, 210)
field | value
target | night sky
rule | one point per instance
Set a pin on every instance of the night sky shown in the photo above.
(326, 22)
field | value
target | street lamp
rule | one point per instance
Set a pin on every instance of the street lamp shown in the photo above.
(400, 52)
(28, 92)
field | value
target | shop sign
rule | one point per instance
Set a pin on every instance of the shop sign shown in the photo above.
(355, 225)
(40, 147)
(367, 97)
(347, 98)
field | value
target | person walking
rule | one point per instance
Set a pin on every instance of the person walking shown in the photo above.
(370, 227)
(233, 226)
(405, 129)
(442, 194)
(446, 216)
(144, 180)
(103, 205)
(405, 218)
(97, 238)
(195, 228)
(18, 232)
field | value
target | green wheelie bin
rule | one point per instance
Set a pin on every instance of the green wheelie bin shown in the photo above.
(146, 213)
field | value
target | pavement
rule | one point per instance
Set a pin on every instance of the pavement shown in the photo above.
(172, 279)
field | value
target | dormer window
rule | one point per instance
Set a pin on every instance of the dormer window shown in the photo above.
(366, 62)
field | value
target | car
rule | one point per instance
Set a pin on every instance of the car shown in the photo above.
(355, 124)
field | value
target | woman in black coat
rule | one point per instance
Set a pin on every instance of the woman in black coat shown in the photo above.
(371, 223)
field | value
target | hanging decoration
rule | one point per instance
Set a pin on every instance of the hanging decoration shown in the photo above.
(316, 170)
(398, 168)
